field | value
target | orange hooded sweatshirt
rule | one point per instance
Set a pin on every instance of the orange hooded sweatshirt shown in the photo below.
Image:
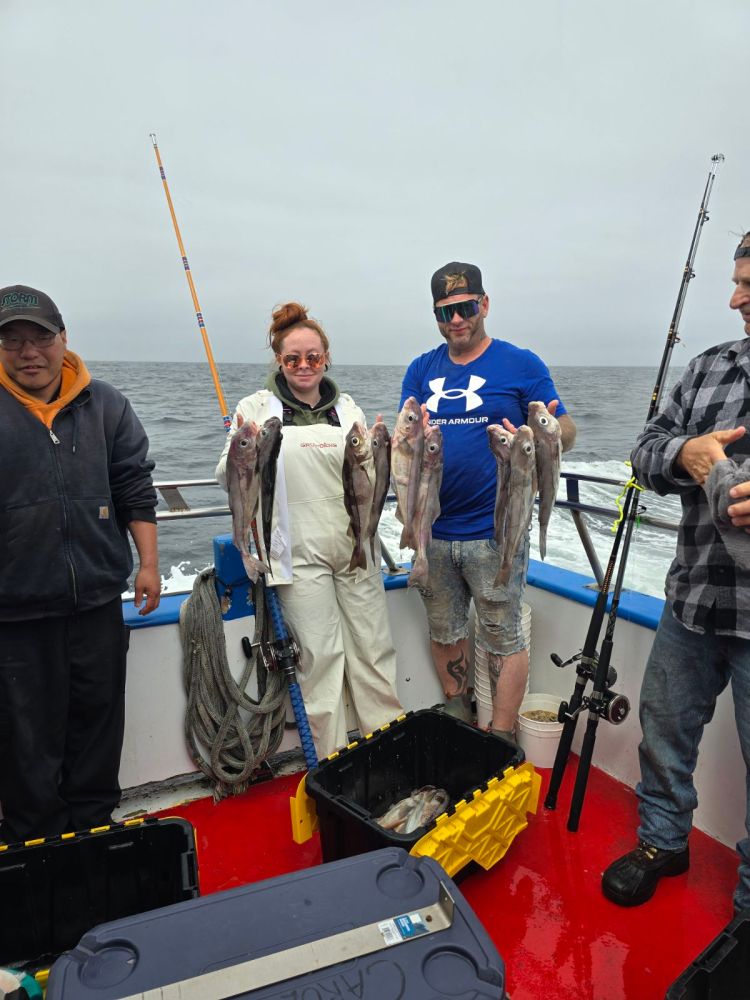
(75, 377)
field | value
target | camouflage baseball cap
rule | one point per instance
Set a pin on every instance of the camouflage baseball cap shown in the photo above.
(456, 279)
(22, 302)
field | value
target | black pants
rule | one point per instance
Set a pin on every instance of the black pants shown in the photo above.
(62, 718)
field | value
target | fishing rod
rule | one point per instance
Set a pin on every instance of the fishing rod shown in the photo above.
(286, 650)
(604, 703)
(194, 295)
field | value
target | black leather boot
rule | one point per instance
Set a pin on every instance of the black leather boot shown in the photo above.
(632, 879)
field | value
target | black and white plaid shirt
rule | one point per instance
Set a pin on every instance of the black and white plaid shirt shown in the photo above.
(707, 589)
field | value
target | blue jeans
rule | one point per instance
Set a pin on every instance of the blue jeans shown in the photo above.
(685, 674)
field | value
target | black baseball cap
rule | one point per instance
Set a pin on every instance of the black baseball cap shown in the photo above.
(471, 285)
(743, 250)
(22, 302)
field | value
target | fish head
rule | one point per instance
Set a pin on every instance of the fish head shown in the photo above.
(269, 439)
(358, 446)
(542, 422)
(523, 452)
(501, 441)
(243, 448)
(409, 423)
(379, 436)
(432, 456)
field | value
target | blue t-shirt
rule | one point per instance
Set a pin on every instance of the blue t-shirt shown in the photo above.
(463, 400)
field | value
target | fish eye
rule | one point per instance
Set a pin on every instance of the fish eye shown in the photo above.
(411, 417)
(355, 441)
(503, 439)
(432, 447)
(527, 449)
(544, 421)
(244, 442)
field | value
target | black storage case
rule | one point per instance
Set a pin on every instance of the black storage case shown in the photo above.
(721, 971)
(365, 780)
(54, 891)
(223, 930)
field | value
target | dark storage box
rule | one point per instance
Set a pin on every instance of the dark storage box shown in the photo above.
(222, 931)
(722, 971)
(365, 780)
(53, 891)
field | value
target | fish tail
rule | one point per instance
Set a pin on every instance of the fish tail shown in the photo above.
(418, 572)
(358, 559)
(503, 575)
(407, 538)
(542, 540)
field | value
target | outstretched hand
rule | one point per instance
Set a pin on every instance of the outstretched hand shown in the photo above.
(699, 454)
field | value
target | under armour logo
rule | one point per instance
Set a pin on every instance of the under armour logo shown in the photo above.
(473, 399)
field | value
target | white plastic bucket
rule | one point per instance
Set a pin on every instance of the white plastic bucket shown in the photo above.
(539, 740)
(482, 689)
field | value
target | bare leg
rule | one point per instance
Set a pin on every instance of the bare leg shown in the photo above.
(452, 665)
(508, 675)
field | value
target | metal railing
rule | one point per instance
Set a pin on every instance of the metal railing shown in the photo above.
(178, 508)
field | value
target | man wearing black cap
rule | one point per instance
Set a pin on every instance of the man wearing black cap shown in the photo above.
(465, 385)
(698, 447)
(75, 476)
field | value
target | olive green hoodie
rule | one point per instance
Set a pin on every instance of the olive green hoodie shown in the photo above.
(304, 414)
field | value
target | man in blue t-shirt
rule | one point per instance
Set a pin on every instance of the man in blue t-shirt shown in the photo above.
(464, 385)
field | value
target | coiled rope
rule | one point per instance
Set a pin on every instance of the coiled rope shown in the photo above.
(229, 734)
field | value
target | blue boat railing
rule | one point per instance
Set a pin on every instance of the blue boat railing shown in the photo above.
(178, 508)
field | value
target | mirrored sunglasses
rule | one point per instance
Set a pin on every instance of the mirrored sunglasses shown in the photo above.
(13, 342)
(313, 360)
(444, 314)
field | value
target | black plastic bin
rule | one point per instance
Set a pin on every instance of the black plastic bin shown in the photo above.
(385, 899)
(364, 781)
(721, 971)
(54, 891)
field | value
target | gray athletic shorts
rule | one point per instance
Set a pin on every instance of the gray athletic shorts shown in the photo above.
(460, 571)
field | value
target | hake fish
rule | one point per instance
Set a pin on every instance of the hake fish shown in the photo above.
(243, 486)
(521, 493)
(407, 447)
(501, 442)
(358, 490)
(269, 445)
(415, 810)
(428, 503)
(380, 441)
(548, 445)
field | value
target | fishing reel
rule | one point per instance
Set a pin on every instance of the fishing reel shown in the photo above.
(283, 654)
(607, 704)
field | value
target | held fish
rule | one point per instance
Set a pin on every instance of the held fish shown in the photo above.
(380, 441)
(428, 503)
(406, 462)
(358, 489)
(243, 486)
(548, 445)
(269, 446)
(500, 442)
(521, 493)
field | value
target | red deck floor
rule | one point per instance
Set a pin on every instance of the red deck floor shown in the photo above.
(541, 904)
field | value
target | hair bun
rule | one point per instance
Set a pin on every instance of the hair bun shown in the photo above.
(286, 315)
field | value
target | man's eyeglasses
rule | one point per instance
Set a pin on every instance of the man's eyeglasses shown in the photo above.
(313, 360)
(13, 342)
(444, 314)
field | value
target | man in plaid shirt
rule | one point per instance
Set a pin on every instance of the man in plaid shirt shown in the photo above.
(703, 638)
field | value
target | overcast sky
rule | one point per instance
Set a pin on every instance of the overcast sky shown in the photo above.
(339, 152)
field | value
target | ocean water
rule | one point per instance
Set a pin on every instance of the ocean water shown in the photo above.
(177, 404)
